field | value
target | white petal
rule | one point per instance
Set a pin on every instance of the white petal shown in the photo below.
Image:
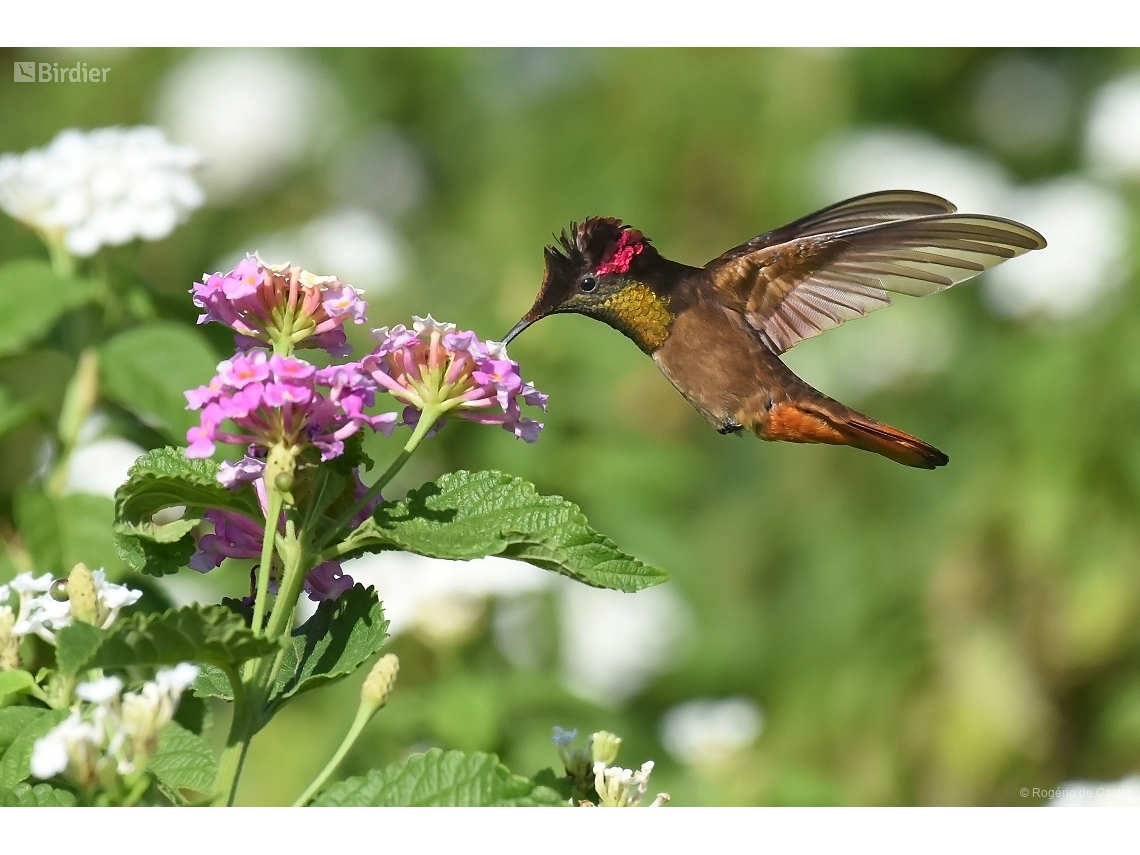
(49, 756)
(156, 222)
(111, 595)
(177, 679)
(83, 241)
(704, 731)
(430, 325)
(109, 184)
(99, 691)
(27, 583)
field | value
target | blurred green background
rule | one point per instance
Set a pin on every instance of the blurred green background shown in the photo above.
(872, 634)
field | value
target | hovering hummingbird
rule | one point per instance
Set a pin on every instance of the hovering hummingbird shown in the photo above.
(717, 331)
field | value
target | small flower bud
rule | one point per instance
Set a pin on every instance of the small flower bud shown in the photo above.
(81, 593)
(604, 747)
(379, 682)
(280, 466)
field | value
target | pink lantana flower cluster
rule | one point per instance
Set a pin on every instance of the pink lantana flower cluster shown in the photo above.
(283, 401)
(434, 366)
(280, 305)
(238, 536)
(278, 406)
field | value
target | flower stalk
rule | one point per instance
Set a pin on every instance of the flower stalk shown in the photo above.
(374, 695)
(265, 567)
(242, 728)
(428, 420)
(78, 401)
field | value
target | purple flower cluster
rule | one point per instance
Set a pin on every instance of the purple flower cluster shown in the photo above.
(282, 400)
(433, 365)
(238, 536)
(277, 404)
(280, 305)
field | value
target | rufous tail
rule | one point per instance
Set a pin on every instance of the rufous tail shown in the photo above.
(828, 421)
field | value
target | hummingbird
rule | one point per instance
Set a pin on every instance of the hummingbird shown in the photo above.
(717, 331)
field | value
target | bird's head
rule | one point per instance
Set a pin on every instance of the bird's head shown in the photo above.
(603, 269)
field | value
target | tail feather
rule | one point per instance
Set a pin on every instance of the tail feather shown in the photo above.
(830, 422)
(890, 442)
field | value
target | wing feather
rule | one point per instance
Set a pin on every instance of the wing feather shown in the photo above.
(806, 285)
(869, 209)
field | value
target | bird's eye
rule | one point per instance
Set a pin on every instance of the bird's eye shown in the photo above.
(589, 283)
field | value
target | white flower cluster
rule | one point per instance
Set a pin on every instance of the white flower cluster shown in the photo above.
(707, 732)
(1112, 135)
(102, 188)
(111, 732)
(615, 786)
(619, 787)
(40, 612)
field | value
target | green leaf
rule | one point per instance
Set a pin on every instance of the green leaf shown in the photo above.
(194, 633)
(436, 779)
(13, 720)
(85, 530)
(333, 643)
(32, 297)
(146, 369)
(467, 515)
(154, 559)
(13, 684)
(12, 411)
(193, 714)
(41, 795)
(39, 378)
(183, 761)
(560, 784)
(15, 765)
(165, 478)
(62, 531)
(38, 522)
(212, 682)
(74, 645)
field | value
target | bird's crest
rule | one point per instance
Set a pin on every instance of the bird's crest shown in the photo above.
(601, 245)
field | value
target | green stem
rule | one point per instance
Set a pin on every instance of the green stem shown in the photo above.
(363, 716)
(428, 418)
(263, 570)
(241, 731)
(252, 689)
(79, 401)
(295, 557)
(62, 264)
(137, 792)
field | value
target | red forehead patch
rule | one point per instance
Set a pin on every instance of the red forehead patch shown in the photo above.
(619, 257)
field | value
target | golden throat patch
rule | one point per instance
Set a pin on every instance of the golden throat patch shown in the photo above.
(641, 313)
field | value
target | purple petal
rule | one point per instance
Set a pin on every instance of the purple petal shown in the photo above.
(327, 582)
(233, 475)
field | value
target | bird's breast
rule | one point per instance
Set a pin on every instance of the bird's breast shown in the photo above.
(640, 313)
(717, 363)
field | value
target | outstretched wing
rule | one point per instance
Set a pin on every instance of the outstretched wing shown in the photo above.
(799, 288)
(885, 206)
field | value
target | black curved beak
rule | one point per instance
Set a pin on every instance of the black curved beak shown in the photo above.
(518, 328)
